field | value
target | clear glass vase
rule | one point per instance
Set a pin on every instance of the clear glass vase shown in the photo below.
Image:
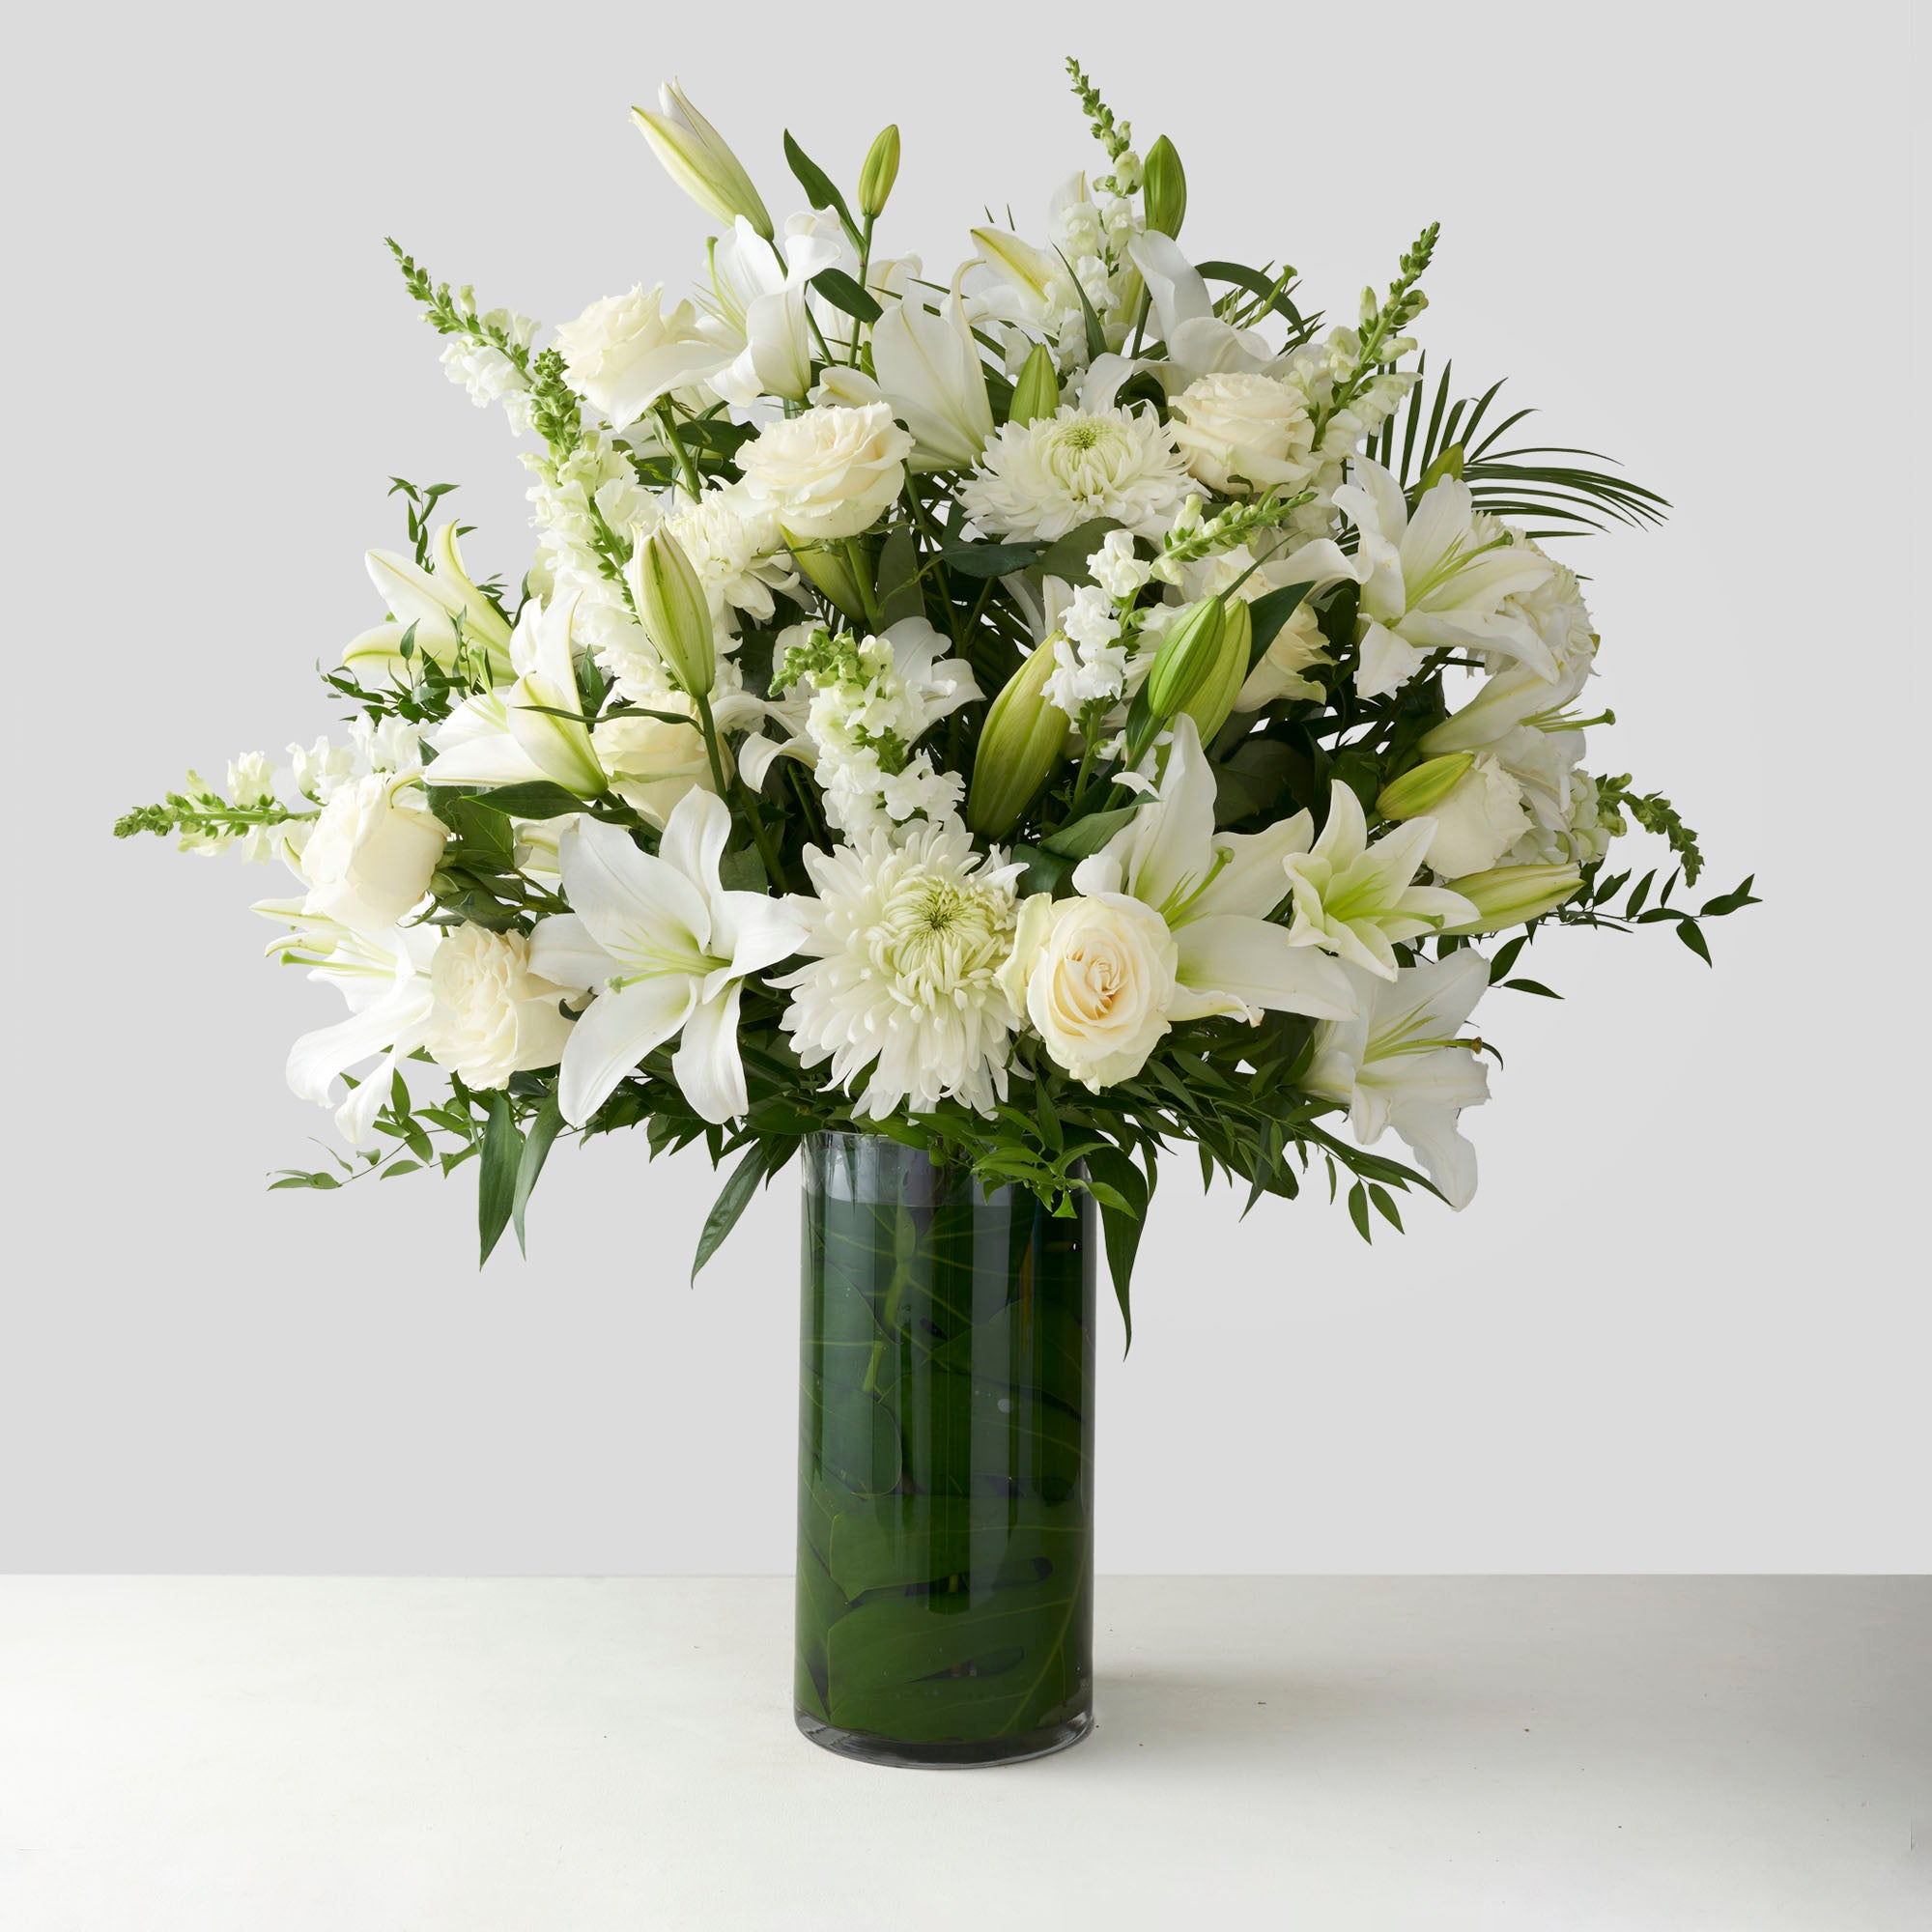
(946, 1453)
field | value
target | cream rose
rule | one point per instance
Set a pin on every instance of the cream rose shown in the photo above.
(827, 473)
(368, 862)
(623, 352)
(1478, 821)
(652, 762)
(1094, 975)
(490, 1017)
(1240, 431)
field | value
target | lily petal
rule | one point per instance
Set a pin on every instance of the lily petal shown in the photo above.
(1255, 961)
(706, 1064)
(616, 1032)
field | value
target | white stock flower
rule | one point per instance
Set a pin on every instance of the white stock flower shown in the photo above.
(1240, 431)
(1039, 480)
(908, 936)
(1401, 1064)
(827, 473)
(624, 352)
(369, 859)
(1436, 580)
(490, 1015)
(1356, 899)
(664, 948)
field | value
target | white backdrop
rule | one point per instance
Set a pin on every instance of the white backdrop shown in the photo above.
(1684, 1325)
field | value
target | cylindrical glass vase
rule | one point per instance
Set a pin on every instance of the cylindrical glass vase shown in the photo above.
(945, 1456)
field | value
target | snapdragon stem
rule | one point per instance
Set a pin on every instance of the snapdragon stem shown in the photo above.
(868, 591)
(767, 854)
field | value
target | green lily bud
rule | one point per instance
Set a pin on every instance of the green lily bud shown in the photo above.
(1210, 705)
(1022, 742)
(1164, 187)
(1424, 787)
(699, 161)
(1514, 895)
(827, 571)
(1036, 393)
(880, 172)
(1188, 657)
(675, 612)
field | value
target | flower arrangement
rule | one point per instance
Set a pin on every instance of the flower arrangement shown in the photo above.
(1041, 713)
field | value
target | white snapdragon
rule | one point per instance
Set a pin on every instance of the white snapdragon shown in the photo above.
(485, 371)
(1090, 658)
(1115, 567)
(1039, 480)
(318, 771)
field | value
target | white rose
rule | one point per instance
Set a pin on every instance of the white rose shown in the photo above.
(1296, 650)
(827, 473)
(1094, 975)
(490, 1017)
(1234, 425)
(623, 352)
(652, 762)
(368, 862)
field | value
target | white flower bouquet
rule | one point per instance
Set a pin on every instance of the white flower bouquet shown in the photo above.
(1041, 713)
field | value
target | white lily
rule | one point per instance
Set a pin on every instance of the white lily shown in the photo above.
(385, 977)
(1199, 343)
(928, 368)
(515, 735)
(1355, 899)
(700, 160)
(434, 603)
(1401, 1064)
(758, 308)
(1434, 580)
(1215, 890)
(662, 947)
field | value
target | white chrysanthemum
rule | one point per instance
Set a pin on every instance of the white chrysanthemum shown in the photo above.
(734, 546)
(908, 934)
(1041, 480)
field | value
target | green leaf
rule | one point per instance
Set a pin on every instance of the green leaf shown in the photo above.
(733, 1198)
(845, 295)
(985, 559)
(1358, 1210)
(1067, 556)
(1082, 837)
(537, 1143)
(396, 1167)
(1688, 932)
(1531, 986)
(496, 1178)
(1121, 1230)
(1268, 614)
(1384, 1205)
(817, 185)
(539, 799)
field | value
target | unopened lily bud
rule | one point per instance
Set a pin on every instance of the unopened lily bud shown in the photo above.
(675, 612)
(1036, 393)
(1022, 742)
(700, 160)
(1165, 187)
(1210, 705)
(1424, 787)
(1514, 895)
(1188, 657)
(880, 172)
(829, 573)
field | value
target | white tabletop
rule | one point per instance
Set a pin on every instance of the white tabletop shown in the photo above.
(1563, 1754)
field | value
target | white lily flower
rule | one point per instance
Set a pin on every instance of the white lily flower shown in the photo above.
(1436, 581)
(1199, 343)
(1355, 899)
(1215, 890)
(1401, 1064)
(515, 736)
(700, 160)
(929, 370)
(433, 602)
(758, 308)
(664, 948)
(385, 978)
